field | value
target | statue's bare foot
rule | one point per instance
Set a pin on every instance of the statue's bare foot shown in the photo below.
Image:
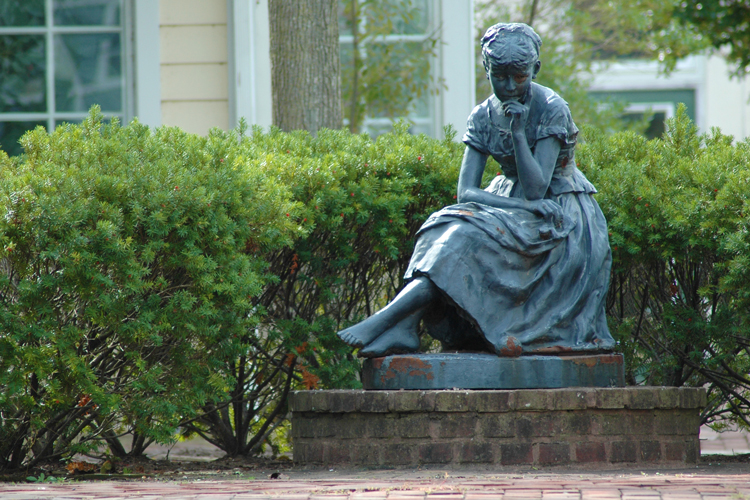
(363, 332)
(407, 308)
(400, 339)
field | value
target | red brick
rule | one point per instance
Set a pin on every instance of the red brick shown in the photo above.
(491, 401)
(373, 402)
(380, 426)
(590, 452)
(413, 425)
(534, 424)
(650, 451)
(571, 423)
(310, 452)
(611, 423)
(623, 451)
(668, 397)
(475, 452)
(365, 452)
(516, 453)
(610, 398)
(675, 451)
(641, 422)
(435, 453)
(342, 401)
(338, 453)
(451, 401)
(641, 398)
(411, 401)
(567, 399)
(684, 422)
(351, 426)
(554, 453)
(692, 450)
(532, 399)
(500, 425)
(399, 453)
(452, 425)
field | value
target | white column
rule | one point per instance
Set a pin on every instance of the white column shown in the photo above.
(147, 78)
(457, 95)
(249, 62)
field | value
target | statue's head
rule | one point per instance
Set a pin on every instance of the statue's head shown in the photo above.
(514, 45)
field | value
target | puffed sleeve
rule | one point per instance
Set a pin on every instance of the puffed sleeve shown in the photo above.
(558, 122)
(478, 129)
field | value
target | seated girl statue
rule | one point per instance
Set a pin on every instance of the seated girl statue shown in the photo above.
(521, 267)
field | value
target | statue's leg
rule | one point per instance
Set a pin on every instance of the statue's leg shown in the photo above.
(400, 339)
(413, 298)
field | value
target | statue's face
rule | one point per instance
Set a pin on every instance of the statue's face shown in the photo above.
(508, 83)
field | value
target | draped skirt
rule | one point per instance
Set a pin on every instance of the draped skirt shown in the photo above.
(514, 283)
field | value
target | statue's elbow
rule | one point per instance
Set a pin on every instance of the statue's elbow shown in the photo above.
(535, 194)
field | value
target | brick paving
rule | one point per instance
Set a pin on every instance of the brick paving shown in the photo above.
(726, 481)
(714, 481)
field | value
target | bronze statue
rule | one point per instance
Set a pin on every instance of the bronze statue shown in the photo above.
(521, 267)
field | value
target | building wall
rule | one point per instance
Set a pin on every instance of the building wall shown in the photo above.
(456, 66)
(719, 100)
(727, 103)
(193, 45)
(215, 64)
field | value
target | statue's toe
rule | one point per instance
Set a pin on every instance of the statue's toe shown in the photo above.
(391, 342)
(351, 339)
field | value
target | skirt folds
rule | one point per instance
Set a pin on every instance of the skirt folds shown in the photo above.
(519, 282)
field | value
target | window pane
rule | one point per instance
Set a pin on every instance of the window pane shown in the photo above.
(398, 17)
(22, 87)
(87, 12)
(656, 125)
(88, 71)
(415, 20)
(10, 132)
(408, 79)
(21, 12)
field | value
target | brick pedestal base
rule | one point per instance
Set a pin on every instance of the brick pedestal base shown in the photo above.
(631, 425)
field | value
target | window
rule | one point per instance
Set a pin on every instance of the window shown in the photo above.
(386, 63)
(660, 104)
(57, 59)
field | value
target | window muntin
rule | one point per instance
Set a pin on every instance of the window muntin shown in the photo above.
(58, 58)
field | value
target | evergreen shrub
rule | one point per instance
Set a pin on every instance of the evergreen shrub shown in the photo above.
(153, 279)
(678, 211)
(127, 280)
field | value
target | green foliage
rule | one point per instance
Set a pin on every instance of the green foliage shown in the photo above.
(152, 279)
(361, 202)
(125, 282)
(677, 210)
(722, 24)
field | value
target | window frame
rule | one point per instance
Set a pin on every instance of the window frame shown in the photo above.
(422, 124)
(49, 30)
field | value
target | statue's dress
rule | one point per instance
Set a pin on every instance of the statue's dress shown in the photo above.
(516, 283)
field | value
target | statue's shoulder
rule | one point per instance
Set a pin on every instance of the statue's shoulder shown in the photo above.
(483, 110)
(549, 99)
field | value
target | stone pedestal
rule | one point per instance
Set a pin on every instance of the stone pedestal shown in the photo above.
(633, 425)
(489, 371)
